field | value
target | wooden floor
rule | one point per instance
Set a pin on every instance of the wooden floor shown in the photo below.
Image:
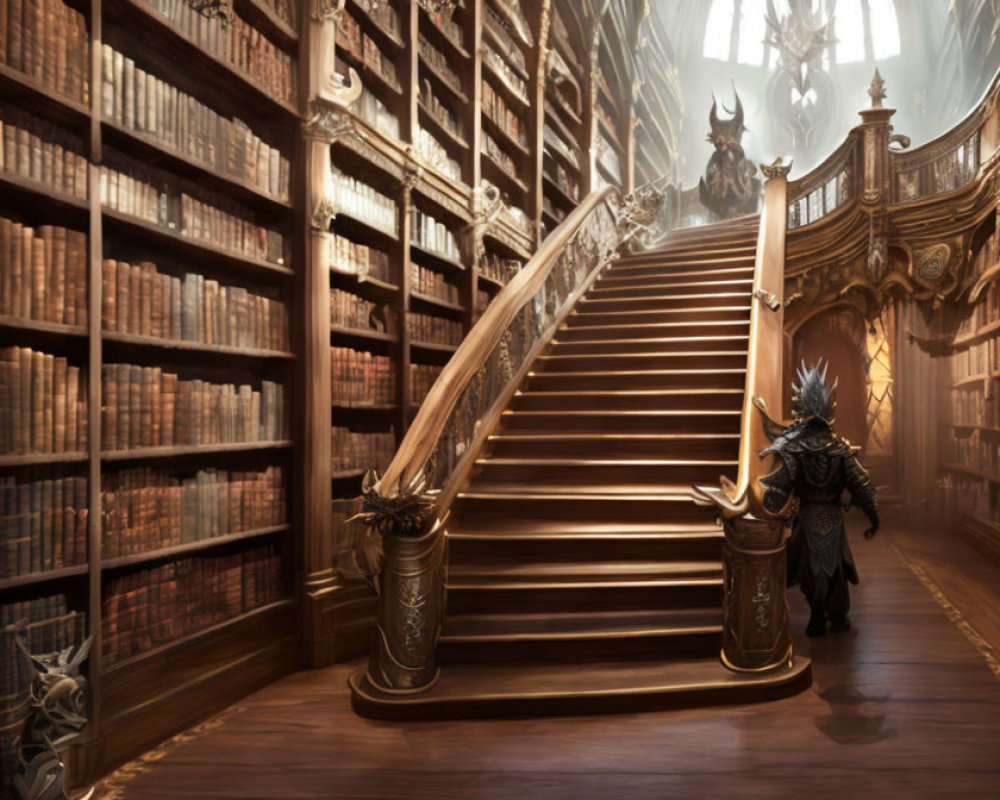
(904, 705)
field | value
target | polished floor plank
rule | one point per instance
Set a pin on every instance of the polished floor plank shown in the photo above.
(901, 706)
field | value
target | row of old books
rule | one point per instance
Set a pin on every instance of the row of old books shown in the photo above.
(488, 146)
(43, 403)
(498, 67)
(566, 182)
(360, 378)
(441, 112)
(432, 284)
(139, 299)
(439, 62)
(362, 450)
(377, 114)
(430, 234)
(43, 524)
(139, 101)
(483, 298)
(359, 200)
(285, 9)
(48, 41)
(43, 273)
(143, 510)
(433, 330)
(975, 361)
(147, 608)
(348, 310)
(443, 17)
(236, 41)
(218, 222)
(499, 268)
(496, 28)
(979, 451)
(40, 151)
(148, 407)
(433, 152)
(971, 407)
(422, 377)
(354, 258)
(362, 48)
(495, 107)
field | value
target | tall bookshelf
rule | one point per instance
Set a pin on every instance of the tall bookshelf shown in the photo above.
(158, 172)
(972, 451)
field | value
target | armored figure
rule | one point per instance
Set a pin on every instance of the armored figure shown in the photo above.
(729, 188)
(814, 466)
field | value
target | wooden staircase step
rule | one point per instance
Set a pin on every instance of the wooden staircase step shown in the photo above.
(614, 445)
(689, 258)
(496, 690)
(601, 291)
(647, 474)
(661, 302)
(647, 316)
(660, 360)
(653, 344)
(611, 379)
(530, 505)
(489, 575)
(610, 278)
(471, 541)
(710, 399)
(615, 593)
(617, 422)
(647, 330)
(573, 636)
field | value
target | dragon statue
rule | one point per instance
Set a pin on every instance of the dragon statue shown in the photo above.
(729, 188)
(58, 697)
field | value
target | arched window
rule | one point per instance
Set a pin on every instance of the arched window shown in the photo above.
(866, 30)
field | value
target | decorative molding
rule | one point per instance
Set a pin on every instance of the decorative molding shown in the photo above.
(328, 10)
(438, 6)
(776, 169)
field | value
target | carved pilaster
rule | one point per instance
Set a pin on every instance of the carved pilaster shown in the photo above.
(755, 632)
(323, 80)
(875, 147)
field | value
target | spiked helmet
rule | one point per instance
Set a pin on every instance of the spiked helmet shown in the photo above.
(811, 397)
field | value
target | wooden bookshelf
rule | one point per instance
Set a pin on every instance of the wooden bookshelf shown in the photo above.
(167, 57)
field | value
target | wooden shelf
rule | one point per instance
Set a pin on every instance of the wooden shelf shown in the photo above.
(553, 100)
(442, 84)
(165, 38)
(492, 283)
(384, 89)
(610, 135)
(979, 335)
(17, 87)
(432, 259)
(971, 381)
(211, 631)
(568, 202)
(269, 22)
(968, 425)
(372, 408)
(156, 152)
(147, 232)
(501, 177)
(442, 37)
(500, 47)
(37, 326)
(357, 229)
(445, 305)
(42, 459)
(19, 194)
(362, 333)
(181, 451)
(501, 136)
(348, 474)
(383, 37)
(168, 553)
(452, 139)
(39, 578)
(180, 345)
(978, 473)
(433, 347)
(501, 87)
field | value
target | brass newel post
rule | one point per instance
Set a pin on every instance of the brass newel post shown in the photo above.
(755, 635)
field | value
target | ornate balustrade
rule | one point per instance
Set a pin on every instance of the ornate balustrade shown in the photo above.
(829, 187)
(408, 505)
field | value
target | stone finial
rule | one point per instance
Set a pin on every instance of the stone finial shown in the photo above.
(876, 90)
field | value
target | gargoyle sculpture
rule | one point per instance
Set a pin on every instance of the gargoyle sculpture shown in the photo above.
(56, 714)
(729, 188)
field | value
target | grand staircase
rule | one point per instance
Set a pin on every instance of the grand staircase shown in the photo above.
(581, 577)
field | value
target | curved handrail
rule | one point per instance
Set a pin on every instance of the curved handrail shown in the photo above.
(421, 440)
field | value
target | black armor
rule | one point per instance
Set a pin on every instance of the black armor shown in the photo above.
(814, 467)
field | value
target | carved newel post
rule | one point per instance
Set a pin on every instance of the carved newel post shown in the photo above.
(755, 632)
(409, 583)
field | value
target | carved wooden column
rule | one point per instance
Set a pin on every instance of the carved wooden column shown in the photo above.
(875, 189)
